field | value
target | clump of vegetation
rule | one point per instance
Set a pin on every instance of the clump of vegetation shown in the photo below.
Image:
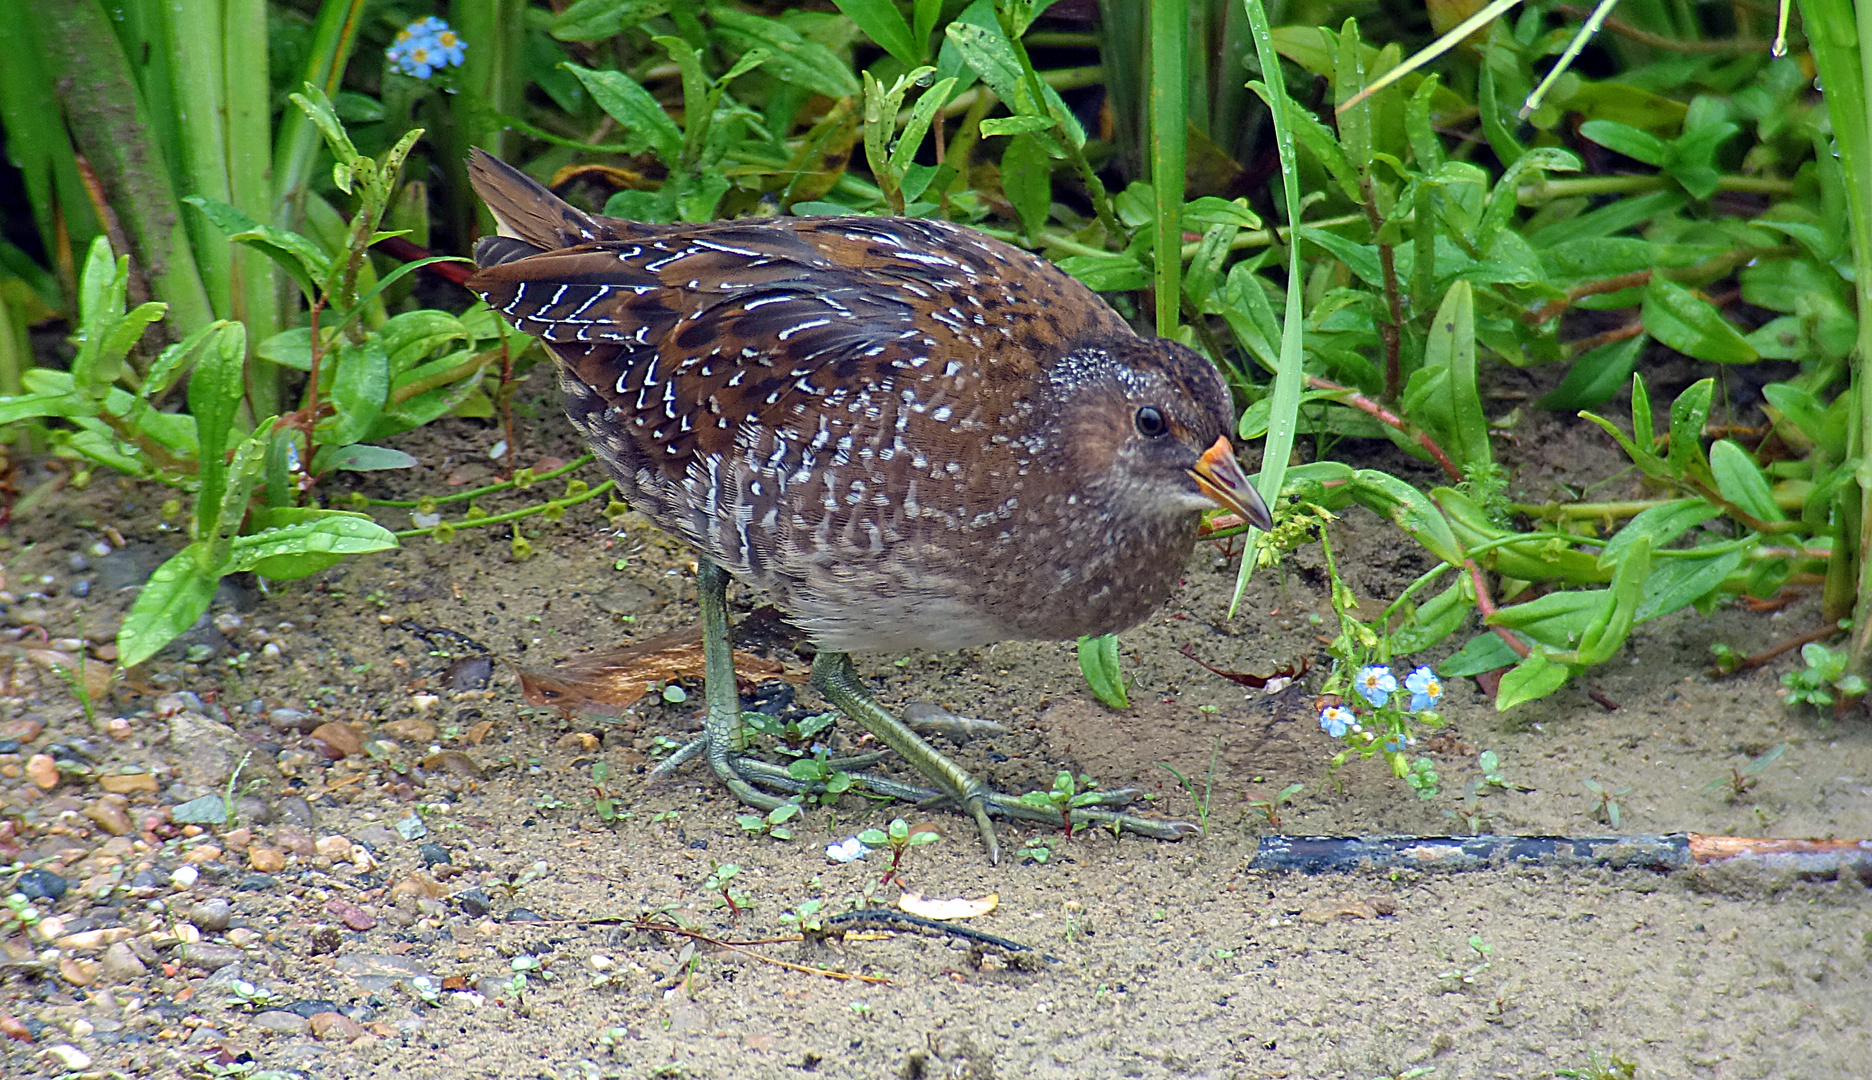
(898, 838)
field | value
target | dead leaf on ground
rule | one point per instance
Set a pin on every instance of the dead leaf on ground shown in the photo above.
(1368, 908)
(611, 680)
(958, 908)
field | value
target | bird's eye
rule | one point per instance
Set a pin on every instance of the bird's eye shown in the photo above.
(1151, 423)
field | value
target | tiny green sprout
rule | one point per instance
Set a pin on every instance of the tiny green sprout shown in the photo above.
(604, 800)
(808, 917)
(675, 694)
(1492, 776)
(1824, 681)
(1224, 954)
(665, 816)
(1728, 661)
(772, 823)
(1604, 803)
(824, 783)
(860, 1008)
(1039, 849)
(423, 987)
(663, 744)
(1461, 976)
(1740, 780)
(1064, 797)
(721, 881)
(1422, 778)
(1271, 807)
(899, 838)
(795, 738)
(1613, 1067)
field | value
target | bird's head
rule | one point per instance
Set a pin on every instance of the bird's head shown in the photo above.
(1144, 424)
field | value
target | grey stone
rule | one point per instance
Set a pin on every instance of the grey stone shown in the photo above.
(280, 1022)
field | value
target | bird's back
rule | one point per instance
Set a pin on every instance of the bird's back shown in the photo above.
(835, 409)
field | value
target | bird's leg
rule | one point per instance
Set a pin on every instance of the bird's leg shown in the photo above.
(722, 730)
(834, 676)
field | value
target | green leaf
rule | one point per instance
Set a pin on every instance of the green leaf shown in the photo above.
(1596, 376)
(596, 20)
(1107, 273)
(1691, 325)
(795, 59)
(1659, 525)
(360, 457)
(1741, 481)
(304, 261)
(177, 594)
(1027, 180)
(986, 50)
(1530, 680)
(1098, 660)
(1484, 653)
(1624, 139)
(214, 395)
(278, 552)
(1607, 632)
(1689, 414)
(1361, 259)
(646, 125)
(1410, 509)
(172, 362)
(358, 392)
(1429, 623)
(884, 24)
(1676, 583)
(1451, 347)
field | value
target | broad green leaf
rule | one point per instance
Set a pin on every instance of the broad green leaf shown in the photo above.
(1689, 415)
(1607, 632)
(884, 24)
(304, 261)
(1678, 582)
(1741, 481)
(1484, 653)
(1098, 660)
(1624, 139)
(646, 125)
(1596, 376)
(172, 362)
(987, 51)
(214, 395)
(409, 338)
(1530, 680)
(360, 457)
(1361, 259)
(1410, 509)
(1107, 273)
(1435, 619)
(1016, 125)
(596, 20)
(1027, 180)
(1451, 347)
(333, 536)
(1557, 619)
(358, 392)
(1691, 325)
(176, 595)
(1659, 525)
(795, 59)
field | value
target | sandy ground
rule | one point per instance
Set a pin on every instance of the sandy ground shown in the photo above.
(1153, 959)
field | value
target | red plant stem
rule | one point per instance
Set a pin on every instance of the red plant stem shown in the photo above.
(1486, 605)
(1385, 416)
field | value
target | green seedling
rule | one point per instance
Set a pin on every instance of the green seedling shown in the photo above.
(1613, 1067)
(604, 800)
(1039, 849)
(772, 823)
(826, 784)
(1460, 976)
(808, 917)
(1065, 796)
(1492, 776)
(666, 817)
(791, 737)
(721, 882)
(1470, 816)
(1605, 805)
(1422, 778)
(1740, 780)
(1271, 807)
(1728, 661)
(1824, 681)
(1202, 802)
(899, 838)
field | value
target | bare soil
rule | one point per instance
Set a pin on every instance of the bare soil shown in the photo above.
(1154, 959)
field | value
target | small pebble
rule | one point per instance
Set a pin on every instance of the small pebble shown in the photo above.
(43, 771)
(126, 783)
(121, 964)
(185, 877)
(291, 719)
(211, 914)
(266, 860)
(280, 1022)
(473, 901)
(109, 816)
(412, 828)
(69, 1056)
(433, 854)
(41, 884)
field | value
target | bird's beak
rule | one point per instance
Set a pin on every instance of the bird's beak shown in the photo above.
(1220, 478)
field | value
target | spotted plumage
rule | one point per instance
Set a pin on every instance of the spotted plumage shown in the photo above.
(910, 434)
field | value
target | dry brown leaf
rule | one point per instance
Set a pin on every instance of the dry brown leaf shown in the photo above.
(609, 681)
(957, 908)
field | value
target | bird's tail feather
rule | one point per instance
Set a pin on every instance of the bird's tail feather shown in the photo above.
(526, 211)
